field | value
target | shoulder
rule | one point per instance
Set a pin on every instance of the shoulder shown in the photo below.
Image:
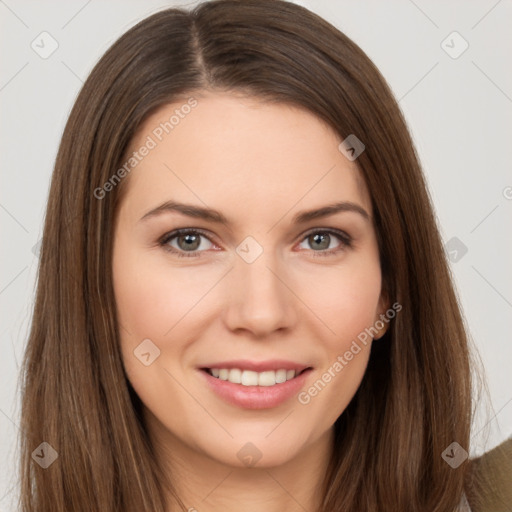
(489, 483)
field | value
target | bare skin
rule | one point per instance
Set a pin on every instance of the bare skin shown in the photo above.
(303, 299)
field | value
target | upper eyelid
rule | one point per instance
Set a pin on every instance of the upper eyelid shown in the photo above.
(183, 231)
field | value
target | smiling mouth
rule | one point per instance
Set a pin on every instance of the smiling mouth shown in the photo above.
(251, 378)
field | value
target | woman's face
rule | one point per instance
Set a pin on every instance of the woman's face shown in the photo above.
(258, 288)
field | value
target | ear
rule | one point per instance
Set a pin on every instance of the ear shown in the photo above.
(381, 319)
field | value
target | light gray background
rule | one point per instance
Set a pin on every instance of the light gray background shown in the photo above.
(458, 109)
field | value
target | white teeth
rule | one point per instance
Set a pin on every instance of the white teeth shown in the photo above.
(267, 378)
(250, 378)
(235, 376)
(280, 376)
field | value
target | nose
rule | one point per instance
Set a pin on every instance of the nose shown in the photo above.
(258, 297)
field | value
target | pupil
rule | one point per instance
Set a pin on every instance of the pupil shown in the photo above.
(191, 241)
(322, 240)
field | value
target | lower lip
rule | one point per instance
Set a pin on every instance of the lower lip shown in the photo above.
(256, 397)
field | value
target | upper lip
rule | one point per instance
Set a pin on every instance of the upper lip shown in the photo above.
(258, 366)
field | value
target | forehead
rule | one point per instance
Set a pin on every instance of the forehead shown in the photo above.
(240, 154)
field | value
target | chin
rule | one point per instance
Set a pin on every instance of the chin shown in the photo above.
(257, 451)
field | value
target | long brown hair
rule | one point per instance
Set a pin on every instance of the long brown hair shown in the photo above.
(415, 398)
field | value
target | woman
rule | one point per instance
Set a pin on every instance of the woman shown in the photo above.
(243, 299)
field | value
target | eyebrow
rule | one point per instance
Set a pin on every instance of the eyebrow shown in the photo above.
(212, 215)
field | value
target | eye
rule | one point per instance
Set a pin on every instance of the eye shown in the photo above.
(190, 242)
(183, 241)
(321, 241)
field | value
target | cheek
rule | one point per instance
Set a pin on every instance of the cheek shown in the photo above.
(347, 303)
(146, 308)
(151, 300)
(150, 303)
(163, 306)
(346, 299)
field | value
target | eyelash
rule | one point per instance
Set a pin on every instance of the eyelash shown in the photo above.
(344, 238)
